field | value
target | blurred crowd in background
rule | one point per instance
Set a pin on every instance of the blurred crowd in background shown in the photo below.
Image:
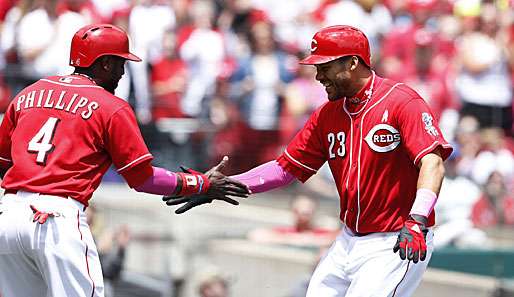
(222, 78)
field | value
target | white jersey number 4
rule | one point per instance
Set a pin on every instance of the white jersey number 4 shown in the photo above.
(41, 142)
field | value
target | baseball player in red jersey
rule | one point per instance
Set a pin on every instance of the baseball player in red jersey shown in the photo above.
(386, 155)
(57, 139)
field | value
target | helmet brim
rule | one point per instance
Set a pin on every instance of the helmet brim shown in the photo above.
(318, 59)
(130, 56)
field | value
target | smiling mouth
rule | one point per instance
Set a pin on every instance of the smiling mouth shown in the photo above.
(328, 86)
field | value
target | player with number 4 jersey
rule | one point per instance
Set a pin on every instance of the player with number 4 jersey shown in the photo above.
(62, 134)
(57, 139)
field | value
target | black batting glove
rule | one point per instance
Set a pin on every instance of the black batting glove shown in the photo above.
(192, 201)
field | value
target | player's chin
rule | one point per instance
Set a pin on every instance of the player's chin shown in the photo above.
(333, 96)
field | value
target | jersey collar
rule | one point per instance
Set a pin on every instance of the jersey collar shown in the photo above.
(84, 78)
(357, 103)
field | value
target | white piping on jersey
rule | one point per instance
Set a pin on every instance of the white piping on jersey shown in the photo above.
(69, 85)
(128, 165)
(298, 162)
(6, 160)
(434, 144)
(351, 158)
(360, 151)
(351, 150)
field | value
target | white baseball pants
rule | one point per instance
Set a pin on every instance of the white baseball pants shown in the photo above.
(365, 266)
(54, 259)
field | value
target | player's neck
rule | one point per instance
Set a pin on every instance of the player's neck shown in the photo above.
(365, 89)
(83, 74)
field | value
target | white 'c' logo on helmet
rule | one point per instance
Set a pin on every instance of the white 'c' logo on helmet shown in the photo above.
(314, 45)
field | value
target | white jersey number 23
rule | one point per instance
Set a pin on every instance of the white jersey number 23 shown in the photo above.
(338, 148)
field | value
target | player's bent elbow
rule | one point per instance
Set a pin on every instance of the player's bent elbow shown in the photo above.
(433, 162)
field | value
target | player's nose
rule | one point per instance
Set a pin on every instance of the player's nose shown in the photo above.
(319, 75)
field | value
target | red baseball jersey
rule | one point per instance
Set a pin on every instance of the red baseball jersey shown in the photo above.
(373, 150)
(60, 135)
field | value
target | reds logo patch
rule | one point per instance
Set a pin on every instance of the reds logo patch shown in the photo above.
(383, 138)
(429, 126)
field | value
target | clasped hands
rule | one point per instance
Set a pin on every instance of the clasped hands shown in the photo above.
(218, 187)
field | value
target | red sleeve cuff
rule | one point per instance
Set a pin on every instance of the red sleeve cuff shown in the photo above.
(138, 174)
(445, 149)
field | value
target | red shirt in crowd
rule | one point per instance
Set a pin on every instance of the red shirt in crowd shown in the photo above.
(484, 213)
(173, 74)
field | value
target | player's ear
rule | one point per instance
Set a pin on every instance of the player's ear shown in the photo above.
(106, 63)
(354, 62)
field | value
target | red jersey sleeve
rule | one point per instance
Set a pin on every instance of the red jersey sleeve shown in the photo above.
(420, 132)
(126, 145)
(6, 130)
(305, 153)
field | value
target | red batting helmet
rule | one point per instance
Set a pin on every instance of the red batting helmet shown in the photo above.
(93, 41)
(334, 42)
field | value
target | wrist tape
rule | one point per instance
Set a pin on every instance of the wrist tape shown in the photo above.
(424, 202)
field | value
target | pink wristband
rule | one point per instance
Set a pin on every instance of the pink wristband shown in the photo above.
(424, 202)
(163, 182)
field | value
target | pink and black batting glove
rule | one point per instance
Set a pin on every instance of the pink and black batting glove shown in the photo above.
(412, 239)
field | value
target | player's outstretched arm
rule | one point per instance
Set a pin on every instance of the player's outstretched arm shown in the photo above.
(194, 188)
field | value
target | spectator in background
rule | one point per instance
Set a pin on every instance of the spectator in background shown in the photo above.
(292, 20)
(169, 79)
(86, 8)
(469, 143)
(496, 204)
(213, 285)
(148, 21)
(303, 231)
(227, 121)
(111, 248)
(483, 83)
(430, 78)
(72, 15)
(203, 50)
(399, 45)
(36, 33)
(373, 18)
(494, 156)
(259, 86)
(454, 205)
(302, 96)
(9, 44)
(106, 9)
